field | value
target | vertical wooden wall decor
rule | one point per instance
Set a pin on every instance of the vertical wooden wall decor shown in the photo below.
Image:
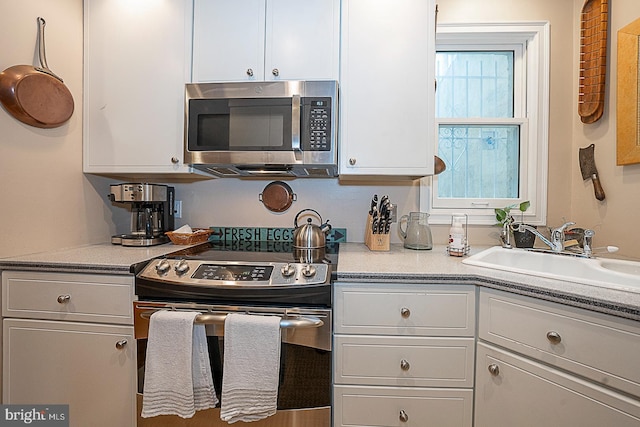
(628, 108)
(593, 59)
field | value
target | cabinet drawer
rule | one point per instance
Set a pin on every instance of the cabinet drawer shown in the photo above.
(404, 361)
(520, 392)
(427, 310)
(74, 297)
(602, 348)
(389, 406)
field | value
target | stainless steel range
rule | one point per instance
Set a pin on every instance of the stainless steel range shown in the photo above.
(245, 272)
(261, 278)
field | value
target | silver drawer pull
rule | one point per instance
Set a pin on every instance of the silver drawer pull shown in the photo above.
(494, 369)
(63, 299)
(404, 417)
(404, 365)
(554, 337)
(120, 344)
(405, 312)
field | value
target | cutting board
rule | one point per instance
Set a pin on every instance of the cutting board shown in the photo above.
(594, 20)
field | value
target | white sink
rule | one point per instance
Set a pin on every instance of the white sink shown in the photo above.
(608, 273)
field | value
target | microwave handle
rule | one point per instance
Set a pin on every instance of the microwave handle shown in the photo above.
(295, 123)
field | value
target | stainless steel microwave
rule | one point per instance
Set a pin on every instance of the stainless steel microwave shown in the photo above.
(279, 128)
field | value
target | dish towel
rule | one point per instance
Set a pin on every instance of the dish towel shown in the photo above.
(178, 378)
(251, 367)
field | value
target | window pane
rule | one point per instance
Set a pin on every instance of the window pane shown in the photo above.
(474, 84)
(482, 161)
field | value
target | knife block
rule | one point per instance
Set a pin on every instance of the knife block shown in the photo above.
(375, 242)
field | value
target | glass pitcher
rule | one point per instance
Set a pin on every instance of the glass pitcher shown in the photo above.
(417, 234)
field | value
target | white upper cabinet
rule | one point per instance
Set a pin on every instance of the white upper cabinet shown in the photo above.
(257, 40)
(137, 60)
(387, 84)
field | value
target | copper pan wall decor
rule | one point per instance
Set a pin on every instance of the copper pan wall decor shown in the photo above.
(35, 95)
(628, 95)
(594, 20)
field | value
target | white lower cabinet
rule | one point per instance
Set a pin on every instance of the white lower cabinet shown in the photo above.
(515, 391)
(402, 406)
(68, 339)
(403, 355)
(545, 364)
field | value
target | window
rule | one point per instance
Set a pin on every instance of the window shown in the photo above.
(491, 119)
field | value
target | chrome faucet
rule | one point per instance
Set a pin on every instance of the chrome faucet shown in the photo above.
(556, 244)
(587, 248)
(505, 235)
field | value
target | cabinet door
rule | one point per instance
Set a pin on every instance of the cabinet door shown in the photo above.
(240, 40)
(402, 407)
(137, 60)
(228, 40)
(523, 393)
(48, 362)
(387, 85)
(410, 309)
(302, 40)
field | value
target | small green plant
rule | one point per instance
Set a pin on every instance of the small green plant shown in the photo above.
(503, 215)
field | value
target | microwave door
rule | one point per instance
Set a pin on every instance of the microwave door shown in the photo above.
(260, 124)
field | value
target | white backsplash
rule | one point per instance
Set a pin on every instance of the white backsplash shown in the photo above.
(235, 202)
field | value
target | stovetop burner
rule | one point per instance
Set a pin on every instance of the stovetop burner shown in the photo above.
(259, 272)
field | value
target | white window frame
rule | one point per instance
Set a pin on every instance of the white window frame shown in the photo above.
(533, 39)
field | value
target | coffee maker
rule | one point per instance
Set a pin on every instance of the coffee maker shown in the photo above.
(151, 213)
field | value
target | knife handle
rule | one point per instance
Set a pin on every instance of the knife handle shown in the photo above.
(597, 187)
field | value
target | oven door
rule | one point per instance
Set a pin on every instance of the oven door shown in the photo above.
(304, 392)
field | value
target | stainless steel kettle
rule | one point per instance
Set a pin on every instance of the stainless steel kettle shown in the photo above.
(310, 236)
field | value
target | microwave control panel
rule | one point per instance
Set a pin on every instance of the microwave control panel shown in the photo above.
(316, 126)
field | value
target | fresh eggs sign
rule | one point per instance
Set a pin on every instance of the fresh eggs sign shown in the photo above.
(34, 415)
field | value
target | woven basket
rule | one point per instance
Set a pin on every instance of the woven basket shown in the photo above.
(199, 235)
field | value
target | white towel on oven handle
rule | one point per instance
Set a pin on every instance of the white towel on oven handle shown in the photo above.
(178, 377)
(251, 367)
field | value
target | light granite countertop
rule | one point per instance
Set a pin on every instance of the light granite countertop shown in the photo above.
(357, 264)
(104, 258)
(399, 265)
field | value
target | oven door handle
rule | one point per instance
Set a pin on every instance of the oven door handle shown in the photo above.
(285, 323)
(219, 318)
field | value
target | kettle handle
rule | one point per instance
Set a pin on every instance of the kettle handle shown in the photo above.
(295, 221)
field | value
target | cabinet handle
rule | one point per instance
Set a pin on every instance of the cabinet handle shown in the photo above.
(404, 365)
(404, 417)
(175, 160)
(275, 72)
(554, 337)
(62, 299)
(405, 312)
(249, 72)
(494, 369)
(120, 344)
(352, 161)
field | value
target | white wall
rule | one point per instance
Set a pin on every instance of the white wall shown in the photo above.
(46, 202)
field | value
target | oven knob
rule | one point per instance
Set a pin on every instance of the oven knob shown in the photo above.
(181, 267)
(308, 270)
(163, 267)
(287, 270)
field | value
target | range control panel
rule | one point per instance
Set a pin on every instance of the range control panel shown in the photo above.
(208, 273)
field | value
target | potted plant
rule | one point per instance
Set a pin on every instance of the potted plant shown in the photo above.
(524, 238)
